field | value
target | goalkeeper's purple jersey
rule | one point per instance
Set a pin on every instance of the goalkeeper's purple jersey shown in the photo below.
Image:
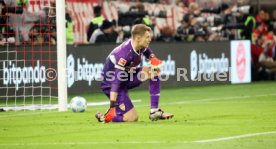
(122, 58)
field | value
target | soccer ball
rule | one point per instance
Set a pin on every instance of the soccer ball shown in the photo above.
(78, 104)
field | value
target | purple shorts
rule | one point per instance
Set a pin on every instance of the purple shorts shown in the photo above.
(123, 99)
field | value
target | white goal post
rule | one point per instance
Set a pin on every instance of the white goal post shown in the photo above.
(61, 55)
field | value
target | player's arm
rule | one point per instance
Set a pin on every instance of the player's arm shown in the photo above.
(116, 83)
(109, 115)
(119, 77)
(115, 86)
(147, 52)
(154, 61)
(113, 96)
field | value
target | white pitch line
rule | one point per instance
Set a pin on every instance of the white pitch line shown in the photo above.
(142, 142)
(172, 103)
(38, 113)
(106, 103)
(235, 137)
(28, 114)
(211, 99)
(93, 143)
(222, 98)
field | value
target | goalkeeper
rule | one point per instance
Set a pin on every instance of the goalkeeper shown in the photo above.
(121, 73)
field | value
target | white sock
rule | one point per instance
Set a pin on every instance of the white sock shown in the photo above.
(154, 110)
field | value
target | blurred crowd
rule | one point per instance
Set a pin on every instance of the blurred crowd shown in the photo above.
(226, 21)
(221, 22)
(20, 26)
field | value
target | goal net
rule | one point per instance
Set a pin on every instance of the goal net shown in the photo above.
(29, 55)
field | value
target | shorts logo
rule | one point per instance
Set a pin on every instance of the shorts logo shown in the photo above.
(122, 62)
(122, 107)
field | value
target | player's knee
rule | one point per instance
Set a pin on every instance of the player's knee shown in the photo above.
(131, 118)
(135, 118)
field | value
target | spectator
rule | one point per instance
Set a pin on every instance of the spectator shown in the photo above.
(249, 24)
(35, 36)
(266, 57)
(257, 31)
(184, 31)
(140, 8)
(6, 34)
(105, 33)
(2, 23)
(273, 22)
(183, 8)
(191, 29)
(14, 21)
(29, 18)
(197, 30)
(228, 19)
(261, 53)
(261, 18)
(194, 9)
(95, 22)
(167, 35)
(44, 30)
(69, 29)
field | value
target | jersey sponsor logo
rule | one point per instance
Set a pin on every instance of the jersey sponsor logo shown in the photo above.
(122, 62)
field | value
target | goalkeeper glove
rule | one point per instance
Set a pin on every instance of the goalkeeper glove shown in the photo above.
(155, 63)
(111, 113)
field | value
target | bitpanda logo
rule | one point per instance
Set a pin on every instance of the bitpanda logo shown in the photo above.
(200, 63)
(84, 71)
(15, 75)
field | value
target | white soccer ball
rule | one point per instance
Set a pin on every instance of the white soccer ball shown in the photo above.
(78, 104)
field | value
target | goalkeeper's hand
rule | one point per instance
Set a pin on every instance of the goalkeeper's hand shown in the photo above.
(155, 63)
(111, 113)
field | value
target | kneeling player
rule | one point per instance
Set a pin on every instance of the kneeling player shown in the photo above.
(120, 74)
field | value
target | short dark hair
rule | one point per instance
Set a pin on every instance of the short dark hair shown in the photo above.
(186, 17)
(106, 24)
(97, 10)
(2, 1)
(139, 30)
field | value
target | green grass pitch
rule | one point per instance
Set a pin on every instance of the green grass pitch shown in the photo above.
(209, 117)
